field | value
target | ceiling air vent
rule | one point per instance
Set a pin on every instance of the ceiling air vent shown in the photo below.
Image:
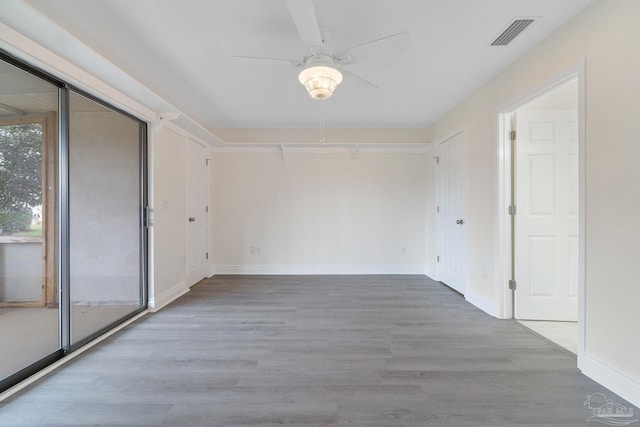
(511, 32)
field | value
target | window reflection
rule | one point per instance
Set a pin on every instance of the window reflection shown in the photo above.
(29, 327)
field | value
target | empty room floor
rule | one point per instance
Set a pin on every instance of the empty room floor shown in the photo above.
(383, 351)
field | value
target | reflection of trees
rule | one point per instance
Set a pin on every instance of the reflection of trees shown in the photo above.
(20, 171)
(20, 166)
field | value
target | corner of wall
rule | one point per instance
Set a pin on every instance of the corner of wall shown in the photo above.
(618, 381)
(483, 303)
(157, 303)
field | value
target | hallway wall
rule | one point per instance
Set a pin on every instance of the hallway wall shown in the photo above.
(607, 37)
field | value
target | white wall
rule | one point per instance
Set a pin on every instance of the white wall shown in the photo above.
(607, 35)
(318, 212)
(169, 213)
(104, 203)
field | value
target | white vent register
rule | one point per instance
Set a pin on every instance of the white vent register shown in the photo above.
(512, 31)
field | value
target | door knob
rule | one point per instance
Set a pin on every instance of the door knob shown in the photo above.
(192, 219)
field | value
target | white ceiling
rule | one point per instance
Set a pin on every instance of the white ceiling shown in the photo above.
(181, 50)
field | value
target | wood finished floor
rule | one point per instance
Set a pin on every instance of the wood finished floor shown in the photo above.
(383, 351)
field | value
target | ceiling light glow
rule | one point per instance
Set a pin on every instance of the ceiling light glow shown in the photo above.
(320, 80)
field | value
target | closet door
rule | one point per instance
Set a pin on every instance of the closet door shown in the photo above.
(198, 214)
(451, 195)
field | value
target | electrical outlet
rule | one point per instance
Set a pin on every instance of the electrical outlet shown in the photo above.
(252, 250)
(257, 250)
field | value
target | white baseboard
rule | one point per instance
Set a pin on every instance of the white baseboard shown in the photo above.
(172, 294)
(621, 383)
(318, 269)
(480, 301)
(430, 274)
(94, 303)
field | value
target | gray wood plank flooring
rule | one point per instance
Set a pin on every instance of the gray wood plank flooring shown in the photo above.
(262, 351)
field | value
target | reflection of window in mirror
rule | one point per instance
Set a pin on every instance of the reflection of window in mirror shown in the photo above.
(28, 218)
(21, 149)
(27, 197)
(27, 190)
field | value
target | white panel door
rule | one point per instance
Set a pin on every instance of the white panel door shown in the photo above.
(197, 214)
(546, 221)
(451, 198)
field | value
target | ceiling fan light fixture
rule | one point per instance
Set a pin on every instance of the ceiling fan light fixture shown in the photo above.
(320, 80)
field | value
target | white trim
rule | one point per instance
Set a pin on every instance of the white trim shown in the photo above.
(184, 133)
(622, 383)
(212, 201)
(151, 229)
(318, 269)
(449, 136)
(46, 371)
(386, 148)
(582, 209)
(483, 303)
(168, 296)
(503, 221)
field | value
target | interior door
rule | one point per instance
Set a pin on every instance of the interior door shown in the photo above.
(546, 220)
(197, 251)
(451, 197)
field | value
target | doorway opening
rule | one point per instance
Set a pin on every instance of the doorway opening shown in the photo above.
(542, 177)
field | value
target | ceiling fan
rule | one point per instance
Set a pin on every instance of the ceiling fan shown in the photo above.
(322, 71)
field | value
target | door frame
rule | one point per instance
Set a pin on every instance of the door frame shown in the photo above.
(460, 131)
(504, 271)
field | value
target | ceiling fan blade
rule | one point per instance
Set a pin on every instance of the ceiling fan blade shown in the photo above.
(361, 82)
(374, 49)
(290, 62)
(304, 16)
